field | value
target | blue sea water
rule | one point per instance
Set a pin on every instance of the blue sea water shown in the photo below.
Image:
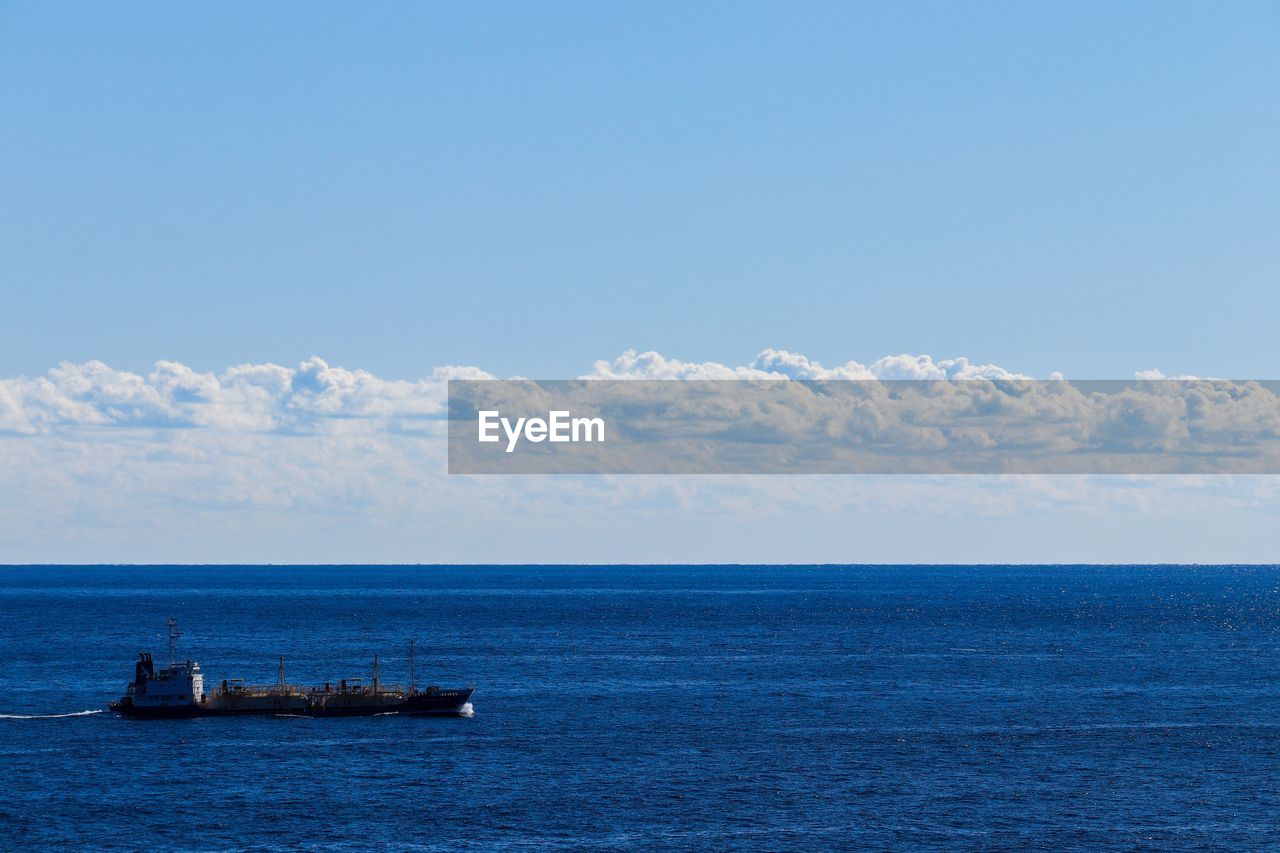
(658, 707)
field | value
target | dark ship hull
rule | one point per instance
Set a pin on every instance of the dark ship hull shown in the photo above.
(430, 703)
(177, 691)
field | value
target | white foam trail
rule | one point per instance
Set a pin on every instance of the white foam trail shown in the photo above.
(50, 716)
(467, 710)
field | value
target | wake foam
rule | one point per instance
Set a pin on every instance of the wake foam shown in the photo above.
(467, 710)
(89, 713)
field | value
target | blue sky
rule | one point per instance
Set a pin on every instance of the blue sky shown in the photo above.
(1091, 188)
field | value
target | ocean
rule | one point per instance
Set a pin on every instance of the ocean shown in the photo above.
(657, 707)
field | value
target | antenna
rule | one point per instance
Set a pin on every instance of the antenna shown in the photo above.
(281, 673)
(377, 681)
(173, 636)
(411, 666)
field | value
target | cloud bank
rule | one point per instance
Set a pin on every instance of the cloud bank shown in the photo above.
(269, 397)
(888, 426)
(250, 397)
(780, 364)
(319, 463)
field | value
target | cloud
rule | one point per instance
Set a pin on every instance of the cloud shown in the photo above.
(251, 397)
(322, 463)
(1005, 412)
(781, 364)
(1152, 375)
(891, 426)
(269, 397)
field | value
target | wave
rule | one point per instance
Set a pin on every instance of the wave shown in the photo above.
(467, 710)
(88, 713)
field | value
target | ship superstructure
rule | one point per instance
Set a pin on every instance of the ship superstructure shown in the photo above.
(177, 690)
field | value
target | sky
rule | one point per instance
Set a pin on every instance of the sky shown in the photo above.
(1088, 188)
(299, 219)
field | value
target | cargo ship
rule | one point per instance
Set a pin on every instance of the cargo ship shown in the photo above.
(178, 691)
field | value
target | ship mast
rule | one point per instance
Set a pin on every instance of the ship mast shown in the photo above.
(173, 636)
(281, 676)
(411, 666)
(377, 682)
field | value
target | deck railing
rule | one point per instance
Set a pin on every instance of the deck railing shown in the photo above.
(235, 689)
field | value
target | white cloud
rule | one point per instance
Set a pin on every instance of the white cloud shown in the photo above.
(1160, 374)
(781, 364)
(253, 397)
(323, 463)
